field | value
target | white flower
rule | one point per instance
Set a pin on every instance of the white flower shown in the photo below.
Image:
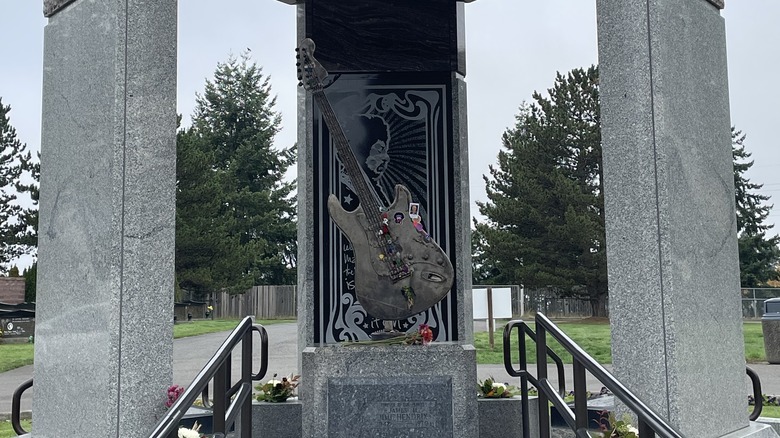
(499, 385)
(273, 382)
(633, 429)
(190, 433)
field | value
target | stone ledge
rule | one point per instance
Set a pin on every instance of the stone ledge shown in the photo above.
(51, 7)
(774, 423)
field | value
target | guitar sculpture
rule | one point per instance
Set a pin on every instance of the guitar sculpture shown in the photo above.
(399, 270)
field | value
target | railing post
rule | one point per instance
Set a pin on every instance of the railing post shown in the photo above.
(580, 396)
(246, 379)
(221, 381)
(524, 381)
(645, 430)
(541, 377)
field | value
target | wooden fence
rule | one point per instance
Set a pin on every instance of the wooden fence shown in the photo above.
(264, 302)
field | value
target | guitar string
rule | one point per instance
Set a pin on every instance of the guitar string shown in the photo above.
(366, 199)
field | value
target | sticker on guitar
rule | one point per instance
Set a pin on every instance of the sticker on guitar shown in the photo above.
(399, 269)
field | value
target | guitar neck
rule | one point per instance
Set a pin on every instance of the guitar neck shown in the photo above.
(348, 159)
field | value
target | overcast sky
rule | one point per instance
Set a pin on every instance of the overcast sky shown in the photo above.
(513, 48)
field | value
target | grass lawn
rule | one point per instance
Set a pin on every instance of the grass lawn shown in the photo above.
(6, 431)
(18, 355)
(766, 411)
(593, 337)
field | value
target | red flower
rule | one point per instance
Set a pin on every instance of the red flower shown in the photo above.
(426, 333)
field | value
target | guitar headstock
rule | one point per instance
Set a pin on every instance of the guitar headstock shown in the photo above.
(311, 73)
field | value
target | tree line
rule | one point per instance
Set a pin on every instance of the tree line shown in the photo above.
(544, 225)
(236, 212)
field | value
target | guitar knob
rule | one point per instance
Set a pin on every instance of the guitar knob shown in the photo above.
(440, 260)
(410, 256)
(425, 256)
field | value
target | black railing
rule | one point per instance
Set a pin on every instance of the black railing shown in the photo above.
(525, 377)
(757, 397)
(218, 369)
(649, 423)
(229, 400)
(16, 407)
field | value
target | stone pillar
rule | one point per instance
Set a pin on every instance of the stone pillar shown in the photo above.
(103, 340)
(670, 216)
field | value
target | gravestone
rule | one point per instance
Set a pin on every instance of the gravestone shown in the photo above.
(670, 217)
(103, 341)
(396, 87)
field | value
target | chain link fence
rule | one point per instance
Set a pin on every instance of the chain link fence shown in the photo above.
(753, 300)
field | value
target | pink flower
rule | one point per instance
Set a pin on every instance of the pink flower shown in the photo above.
(174, 391)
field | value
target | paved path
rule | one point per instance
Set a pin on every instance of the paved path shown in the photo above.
(191, 354)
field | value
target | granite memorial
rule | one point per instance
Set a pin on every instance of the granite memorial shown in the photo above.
(670, 217)
(393, 83)
(106, 244)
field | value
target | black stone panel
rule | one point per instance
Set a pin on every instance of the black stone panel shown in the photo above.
(411, 113)
(387, 35)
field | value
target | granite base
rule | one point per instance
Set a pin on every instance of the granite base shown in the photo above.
(278, 420)
(503, 417)
(754, 430)
(390, 390)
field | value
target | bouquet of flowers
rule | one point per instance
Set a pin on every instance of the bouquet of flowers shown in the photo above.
(277, 391)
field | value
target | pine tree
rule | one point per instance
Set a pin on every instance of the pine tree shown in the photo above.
(545, 214)
(12, 155)
(30, 282)
(758, 254)
(235, 213)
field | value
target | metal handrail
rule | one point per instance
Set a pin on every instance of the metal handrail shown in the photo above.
(525, 377)
(757, 397)
(16, 407)
(217, 369)
(650, 423)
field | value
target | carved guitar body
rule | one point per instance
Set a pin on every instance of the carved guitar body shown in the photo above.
(399, 270)
(430, 271)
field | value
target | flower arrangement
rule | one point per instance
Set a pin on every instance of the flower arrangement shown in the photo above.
(174, 391)
(190, 433)
(489, 388)
(275, 391)
(767, 400)
(423, 336)
(611, 427)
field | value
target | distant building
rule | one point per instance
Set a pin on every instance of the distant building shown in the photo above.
(12, 290)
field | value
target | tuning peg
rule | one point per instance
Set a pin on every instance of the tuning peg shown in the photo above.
(300, 84)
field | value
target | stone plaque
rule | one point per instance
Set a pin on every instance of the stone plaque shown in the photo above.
(403, 407)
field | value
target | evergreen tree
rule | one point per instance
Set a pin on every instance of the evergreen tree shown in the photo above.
(235, 214)
(758, 254)
(545, 214)
(12, 157)
(30, 282)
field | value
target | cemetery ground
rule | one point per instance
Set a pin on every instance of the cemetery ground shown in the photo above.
(592, 334)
